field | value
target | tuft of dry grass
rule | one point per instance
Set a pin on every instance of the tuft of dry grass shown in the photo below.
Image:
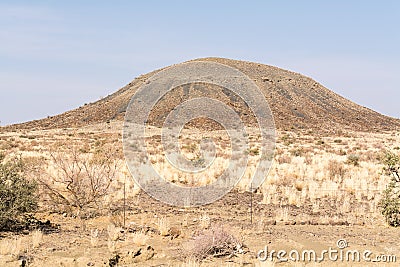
(37, 238)
(191, 263)
(205, 221)
(114, 233)
(163, 226)
(139, 238)
(111, 246)
(94, 237)
(353, 159)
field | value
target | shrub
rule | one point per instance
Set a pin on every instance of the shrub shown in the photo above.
(336, 169)
(253, 151)
(17, 194)
(284, 159)
(390, 202)
(80, 180)
(287, 140)
(353, 159)
(214, 242)
(297, 152)
(392, 165)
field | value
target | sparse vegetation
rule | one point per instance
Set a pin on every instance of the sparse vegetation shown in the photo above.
(306, 182)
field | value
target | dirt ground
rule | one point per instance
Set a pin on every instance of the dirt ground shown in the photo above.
(74, 244)
(313, 199)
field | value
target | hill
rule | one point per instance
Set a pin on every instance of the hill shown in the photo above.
(296, 101)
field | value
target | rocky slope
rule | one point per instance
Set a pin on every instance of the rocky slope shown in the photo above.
(296, 101)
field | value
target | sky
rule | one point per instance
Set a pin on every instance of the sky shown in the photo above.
(58, 55)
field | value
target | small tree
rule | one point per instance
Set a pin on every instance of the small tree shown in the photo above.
(80, 179)
(17, 194)
(390, 202)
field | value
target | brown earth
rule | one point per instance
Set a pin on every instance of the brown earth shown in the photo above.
(296, 101)
(312, 197)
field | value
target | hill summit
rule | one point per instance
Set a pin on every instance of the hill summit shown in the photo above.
(296, 101)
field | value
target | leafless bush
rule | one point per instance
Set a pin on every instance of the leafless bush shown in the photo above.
(214, 242)
(336, 169)
(284, 159)
(370, 156)
(308, 159)
(77, 179)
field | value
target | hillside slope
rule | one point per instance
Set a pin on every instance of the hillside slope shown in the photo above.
(296, 101)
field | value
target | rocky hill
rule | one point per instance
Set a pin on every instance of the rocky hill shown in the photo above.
(296, 101)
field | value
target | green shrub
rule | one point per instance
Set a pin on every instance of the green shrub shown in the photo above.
(353, 159)
(392, 165)
(297, 152)
(17, 194)
(390, 202)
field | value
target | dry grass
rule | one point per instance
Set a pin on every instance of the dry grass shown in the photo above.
(336, 169)
(191, 263)
(37, 238)
(320, 176)
(94, 237)
(163, 226)
(308, 179)
(205, 221)
(139, 238)
(11, 246)
(114, 233)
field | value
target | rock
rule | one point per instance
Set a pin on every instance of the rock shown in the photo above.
(25, 232)
(112, 262)
(83, 261)
(270, 222)
(65, 261)
(138, 255)
(290, 222)
(174, 232)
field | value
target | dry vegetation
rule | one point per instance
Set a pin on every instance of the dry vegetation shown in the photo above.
(324, 184)
(319, 189)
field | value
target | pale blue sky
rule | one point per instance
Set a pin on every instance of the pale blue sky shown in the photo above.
(58, 55)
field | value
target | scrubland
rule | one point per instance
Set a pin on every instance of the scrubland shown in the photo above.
(320, 188)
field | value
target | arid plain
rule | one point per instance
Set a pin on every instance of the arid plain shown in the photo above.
(324, 185)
